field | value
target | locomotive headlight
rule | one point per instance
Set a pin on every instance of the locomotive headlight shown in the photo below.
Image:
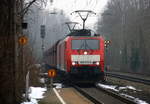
(73, 63)
(85, 53)
(97, 63)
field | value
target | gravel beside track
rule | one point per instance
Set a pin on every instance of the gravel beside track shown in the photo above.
(130, 78)
(100, 96)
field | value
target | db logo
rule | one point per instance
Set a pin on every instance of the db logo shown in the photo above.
(52, 73)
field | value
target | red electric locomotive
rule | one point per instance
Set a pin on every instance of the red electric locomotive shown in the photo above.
(79, 57)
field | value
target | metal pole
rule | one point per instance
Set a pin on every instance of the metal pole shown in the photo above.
(27, 86)
(51, 83)
(81, 16)
(84, 23)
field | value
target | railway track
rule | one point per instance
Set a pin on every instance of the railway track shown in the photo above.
(88, 96)
(99, 95)
(129, 78)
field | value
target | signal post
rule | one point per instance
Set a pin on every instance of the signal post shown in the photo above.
(23, 40)
(51, 75)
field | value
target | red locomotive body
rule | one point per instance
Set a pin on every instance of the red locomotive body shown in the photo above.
(79, 57)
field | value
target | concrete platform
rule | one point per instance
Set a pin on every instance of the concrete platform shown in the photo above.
(68, 95)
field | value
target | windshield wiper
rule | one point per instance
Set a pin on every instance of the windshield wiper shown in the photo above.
(86, 45)
(82, 45)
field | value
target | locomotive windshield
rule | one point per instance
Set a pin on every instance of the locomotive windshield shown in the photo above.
(85, 44)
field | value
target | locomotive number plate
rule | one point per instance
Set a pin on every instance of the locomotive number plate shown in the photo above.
(85, 62)
(85, 58)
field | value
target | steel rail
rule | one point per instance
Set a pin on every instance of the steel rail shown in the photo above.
(113, 94)
(91, 98)
(129, 78)
(116, 95)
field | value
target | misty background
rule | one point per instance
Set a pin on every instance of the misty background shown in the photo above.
(124, 22)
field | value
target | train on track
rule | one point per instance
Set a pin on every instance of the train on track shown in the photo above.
(78, 57)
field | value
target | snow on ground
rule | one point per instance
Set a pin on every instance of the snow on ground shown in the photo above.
(35, 94)
(115, 88)
(129, 87)
(123, 88)
(108, 87)
(137, 100)
(42, 80)
(58, 85)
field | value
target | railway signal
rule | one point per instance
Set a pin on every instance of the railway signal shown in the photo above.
(107, 43)
(23, 40)
(43, 31)
(52, 73)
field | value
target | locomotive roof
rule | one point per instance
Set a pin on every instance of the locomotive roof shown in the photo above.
(84, 36)
(81, 32)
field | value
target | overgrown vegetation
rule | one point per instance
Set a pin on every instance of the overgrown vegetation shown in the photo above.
(12, 73)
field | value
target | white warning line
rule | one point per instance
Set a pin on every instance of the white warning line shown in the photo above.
(59, 97)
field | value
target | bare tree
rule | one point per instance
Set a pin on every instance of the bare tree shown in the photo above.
(11, 77)
(126, 23)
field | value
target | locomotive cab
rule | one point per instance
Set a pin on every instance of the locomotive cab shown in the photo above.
(86, 58)
(80, 55)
